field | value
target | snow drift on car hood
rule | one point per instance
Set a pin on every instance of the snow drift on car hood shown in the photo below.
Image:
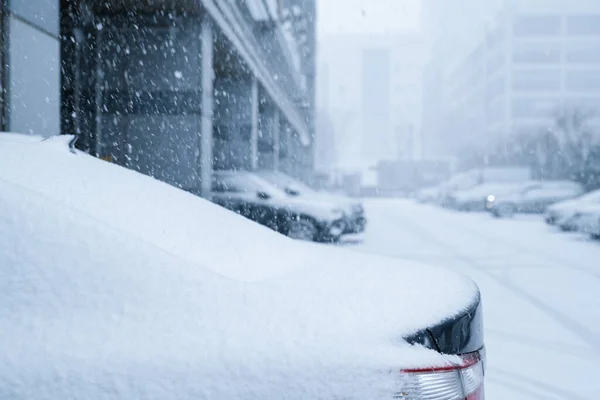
(116, 285)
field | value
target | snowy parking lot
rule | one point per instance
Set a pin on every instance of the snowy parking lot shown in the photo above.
(540, 288)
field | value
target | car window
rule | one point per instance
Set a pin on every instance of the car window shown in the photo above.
(233, 184)
(283, 182)
(221, 187)
(530, 189)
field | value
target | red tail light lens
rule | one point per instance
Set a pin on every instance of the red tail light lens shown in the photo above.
(459, 382)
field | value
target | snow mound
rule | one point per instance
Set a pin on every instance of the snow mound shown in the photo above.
(116, 285)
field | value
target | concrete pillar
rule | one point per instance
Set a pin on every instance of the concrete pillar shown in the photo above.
(206, 124)
(254, 124)
(268, 135)
(276, 133)
(236, 136)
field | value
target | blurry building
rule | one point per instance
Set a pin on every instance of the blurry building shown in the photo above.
(375, 102)
(373, 95)
(326, 149)
(523, 62)
(170, 88)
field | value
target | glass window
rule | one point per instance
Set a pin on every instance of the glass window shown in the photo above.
(34, 80)
(42, 13)
(537, 53)
(537, 80)
(150, 59)
(583, 81)
(542, 25)
(583, 25)
(533, 107)
(169, 156)
(583, 53)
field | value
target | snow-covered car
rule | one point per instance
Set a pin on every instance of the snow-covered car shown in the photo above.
(478, 198)
(561, 213)
(473, 178)
(304, 218)
(116, 285)
(534, 198)
(457, 183)
(354, 211)
(429, 194)
(587, 220)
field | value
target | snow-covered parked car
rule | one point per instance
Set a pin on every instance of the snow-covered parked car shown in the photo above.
(535, 198)
(561, 214)
(355, 220)
(478, 198)
(587, 220)
(430, 194)
(303, 218)
(116, 285)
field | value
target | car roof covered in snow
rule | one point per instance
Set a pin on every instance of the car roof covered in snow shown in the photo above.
(496, 188)
(116, 285)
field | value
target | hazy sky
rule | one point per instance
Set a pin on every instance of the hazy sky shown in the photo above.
(366, 16)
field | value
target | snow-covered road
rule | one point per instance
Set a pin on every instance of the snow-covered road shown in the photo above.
(540, 288)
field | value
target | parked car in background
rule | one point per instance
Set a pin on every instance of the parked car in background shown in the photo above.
(535, 198)
(354, 211)
(459, 182)
(561, 213)
(478, 198)
(587, 220)
(299, 217)
(118, 286)
(472, 178)
(429, 194)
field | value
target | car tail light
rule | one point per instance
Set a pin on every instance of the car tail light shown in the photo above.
(458, 382)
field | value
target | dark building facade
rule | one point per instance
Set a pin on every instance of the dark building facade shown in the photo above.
(170, 88)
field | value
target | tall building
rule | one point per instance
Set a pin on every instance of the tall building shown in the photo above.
(532, 59)
(373, 95)
(375, 102)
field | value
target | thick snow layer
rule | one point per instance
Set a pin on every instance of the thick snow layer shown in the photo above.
(115, 285)
(539, 288)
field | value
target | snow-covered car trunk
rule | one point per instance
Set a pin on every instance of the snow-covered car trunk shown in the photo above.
(562, 213)
(116, 285)
(587, 220)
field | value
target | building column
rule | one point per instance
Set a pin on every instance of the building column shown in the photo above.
(276, 129)
(206, 124)
(254, 124)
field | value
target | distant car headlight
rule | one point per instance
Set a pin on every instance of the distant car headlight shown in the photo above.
(491, 198)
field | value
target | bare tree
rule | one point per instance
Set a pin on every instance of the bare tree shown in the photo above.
(573, 132)
(577, 142)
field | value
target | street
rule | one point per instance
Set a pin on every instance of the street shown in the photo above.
(540, 290)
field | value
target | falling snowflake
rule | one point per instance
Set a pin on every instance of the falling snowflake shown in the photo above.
(178, 74)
